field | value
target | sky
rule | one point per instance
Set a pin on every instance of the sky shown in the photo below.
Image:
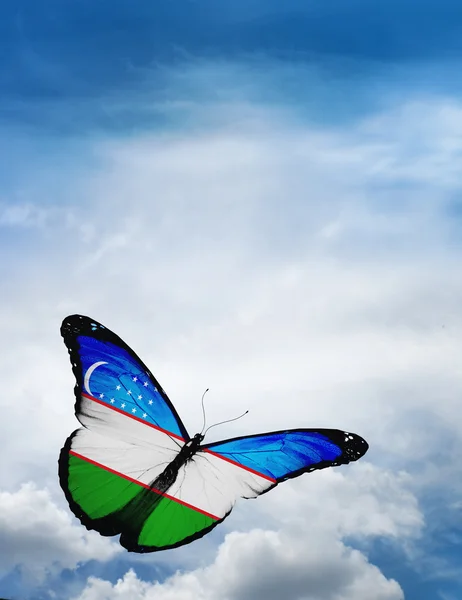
(263, 199)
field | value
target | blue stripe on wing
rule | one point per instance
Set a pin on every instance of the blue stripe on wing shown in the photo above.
(284, 454)
(121, 380)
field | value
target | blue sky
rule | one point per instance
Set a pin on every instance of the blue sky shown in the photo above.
(75, 53)
(265, 199)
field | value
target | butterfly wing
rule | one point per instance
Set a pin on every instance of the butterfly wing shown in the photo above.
(108, 371)
(109, 485)
(131, 433)
(212, 483)
(248, 466)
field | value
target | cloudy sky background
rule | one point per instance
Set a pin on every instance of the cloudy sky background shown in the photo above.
(263, 199)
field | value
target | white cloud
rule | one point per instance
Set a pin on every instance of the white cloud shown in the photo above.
(263, 564)
(359, 499)
(40, 537)
(304, 557)
(285, 267)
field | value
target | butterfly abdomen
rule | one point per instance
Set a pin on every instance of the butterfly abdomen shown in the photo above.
(168, 476)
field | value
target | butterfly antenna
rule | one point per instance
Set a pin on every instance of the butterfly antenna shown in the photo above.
(203, 409)
(227, 421)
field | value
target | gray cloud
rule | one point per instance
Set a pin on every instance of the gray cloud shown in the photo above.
(39, 537)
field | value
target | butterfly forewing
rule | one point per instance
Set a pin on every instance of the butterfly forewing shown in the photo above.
(108, 370)
(281, 455)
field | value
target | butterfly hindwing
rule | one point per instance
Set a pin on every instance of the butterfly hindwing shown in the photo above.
(107, 483)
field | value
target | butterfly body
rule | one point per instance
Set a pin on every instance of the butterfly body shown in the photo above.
(168, 477)
(133, 470)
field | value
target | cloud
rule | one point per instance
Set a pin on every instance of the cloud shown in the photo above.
(300, 271)
(24, 215)
(305, 558)
(182, 242)
(283, 569)
(39, 537)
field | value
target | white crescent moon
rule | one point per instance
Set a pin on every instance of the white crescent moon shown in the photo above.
(86, 380)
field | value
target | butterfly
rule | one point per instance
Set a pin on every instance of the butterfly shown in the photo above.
(133, 470)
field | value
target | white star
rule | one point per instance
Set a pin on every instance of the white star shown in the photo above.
(129, 392)
(135, 378)
(112, 400)
(122, 405)
(145, 415)
(140, 397)
(145, 384)
(101, 396)
(117, 387)
(133, 410)
(150, 401)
